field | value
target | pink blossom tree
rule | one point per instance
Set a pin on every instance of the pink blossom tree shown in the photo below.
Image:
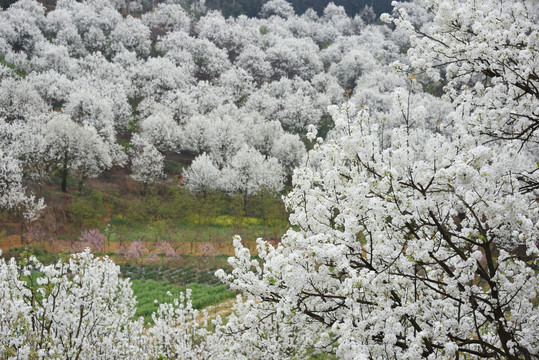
(135, 251)
(93, 239)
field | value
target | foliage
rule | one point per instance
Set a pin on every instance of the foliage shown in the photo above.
(12, 192)
(147, 164)
(93, 95)
(135, 251)
(81, 308)
(88, 210)
(19, 72)
(185, 270)
(41, 254)
(68, 310)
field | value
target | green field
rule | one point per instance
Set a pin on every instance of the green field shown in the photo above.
(147, 291)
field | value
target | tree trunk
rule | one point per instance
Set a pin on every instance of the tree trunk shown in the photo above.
(81, 182)
(64, 173)
(64, 180)
(144, 188)
(245, 194)
(21, 230)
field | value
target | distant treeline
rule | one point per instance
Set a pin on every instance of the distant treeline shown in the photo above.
(252, 8)
(5, 3)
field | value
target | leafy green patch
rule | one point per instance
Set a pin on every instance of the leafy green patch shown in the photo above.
(147, 291)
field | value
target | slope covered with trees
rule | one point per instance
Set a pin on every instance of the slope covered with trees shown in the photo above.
(415, 217)
(85, 89)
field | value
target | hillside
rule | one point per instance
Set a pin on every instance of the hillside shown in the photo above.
(177, 183)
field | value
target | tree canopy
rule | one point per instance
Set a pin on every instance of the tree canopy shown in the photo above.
(415, 213)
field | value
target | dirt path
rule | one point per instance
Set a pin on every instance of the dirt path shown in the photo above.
(222, 309)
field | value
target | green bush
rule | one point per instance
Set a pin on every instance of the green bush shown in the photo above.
(176, 204)
(88, 210)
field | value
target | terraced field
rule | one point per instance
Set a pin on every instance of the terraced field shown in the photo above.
(152, 283)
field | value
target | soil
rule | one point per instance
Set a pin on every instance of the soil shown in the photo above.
(181, 248)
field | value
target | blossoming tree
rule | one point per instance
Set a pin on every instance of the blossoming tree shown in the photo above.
(424, 246)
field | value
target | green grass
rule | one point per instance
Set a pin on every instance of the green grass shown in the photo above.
(147, 291)
(38, 251)
(228, 221)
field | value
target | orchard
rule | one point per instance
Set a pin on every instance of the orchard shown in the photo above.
(406, 151)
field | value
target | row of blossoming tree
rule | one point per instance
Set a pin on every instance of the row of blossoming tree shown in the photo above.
(83, 89)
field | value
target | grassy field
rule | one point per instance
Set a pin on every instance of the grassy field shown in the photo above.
(147, 291)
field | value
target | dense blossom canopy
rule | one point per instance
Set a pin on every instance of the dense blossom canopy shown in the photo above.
(180, 83)
(415, 216)
(417, 240)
